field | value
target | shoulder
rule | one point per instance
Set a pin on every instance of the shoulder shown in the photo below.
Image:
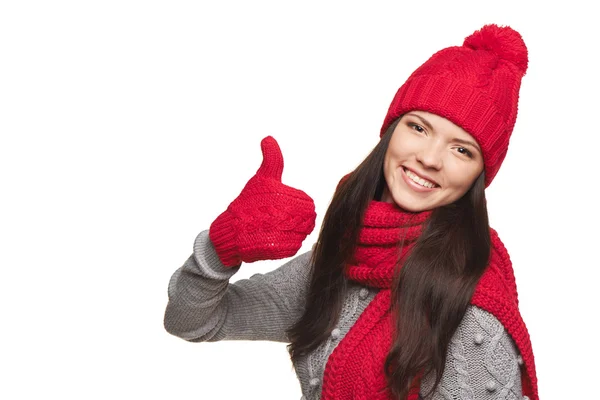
(297, 269)
(289, 281)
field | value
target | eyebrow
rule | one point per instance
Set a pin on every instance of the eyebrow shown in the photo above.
(467, 142)
(461, 141)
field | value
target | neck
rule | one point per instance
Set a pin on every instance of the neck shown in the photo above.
(387, 234)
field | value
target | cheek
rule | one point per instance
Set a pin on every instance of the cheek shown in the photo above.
(396, 149)
(461, 177)
(387, 165)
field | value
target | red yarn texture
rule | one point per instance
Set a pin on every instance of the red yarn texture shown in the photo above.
(268, 220)
(475, 85)
(355, 369)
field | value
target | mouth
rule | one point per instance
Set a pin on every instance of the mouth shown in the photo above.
(417, 182)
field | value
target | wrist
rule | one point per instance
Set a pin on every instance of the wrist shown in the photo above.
(222, 234)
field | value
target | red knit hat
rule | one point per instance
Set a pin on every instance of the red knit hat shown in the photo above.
(476, 86)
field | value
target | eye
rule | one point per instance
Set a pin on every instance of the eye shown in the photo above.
(463, 150)
(416, 127)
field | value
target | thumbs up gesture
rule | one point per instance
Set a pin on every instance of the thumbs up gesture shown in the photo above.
(268, 220)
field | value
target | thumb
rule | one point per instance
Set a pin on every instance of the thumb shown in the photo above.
(272, 164)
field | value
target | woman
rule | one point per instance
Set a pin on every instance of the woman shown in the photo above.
(408, 293)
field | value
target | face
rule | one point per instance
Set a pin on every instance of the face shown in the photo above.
(430, 162)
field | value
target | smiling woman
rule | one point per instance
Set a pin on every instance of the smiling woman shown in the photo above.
(408, 293)
(428, 163)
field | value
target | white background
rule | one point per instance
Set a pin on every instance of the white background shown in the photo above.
(128, 126)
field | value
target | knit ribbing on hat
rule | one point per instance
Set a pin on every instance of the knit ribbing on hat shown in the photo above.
(476, 86)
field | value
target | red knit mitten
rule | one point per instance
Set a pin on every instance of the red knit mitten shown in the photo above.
(268, 220)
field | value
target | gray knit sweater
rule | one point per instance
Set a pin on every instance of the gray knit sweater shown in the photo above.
(482, 362)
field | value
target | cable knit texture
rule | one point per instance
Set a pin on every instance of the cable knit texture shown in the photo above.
(355, 368)
(268, 220)
(205, 307)
(475, 85)
(480, 351)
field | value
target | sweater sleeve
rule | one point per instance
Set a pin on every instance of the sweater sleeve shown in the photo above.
(204, 306)
(482, 362)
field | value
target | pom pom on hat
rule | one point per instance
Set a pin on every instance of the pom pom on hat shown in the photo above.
(505, 42)
(476, 86)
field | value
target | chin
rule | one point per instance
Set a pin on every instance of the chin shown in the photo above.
(411, 206)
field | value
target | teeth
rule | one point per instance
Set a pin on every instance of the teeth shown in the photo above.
(418, 180)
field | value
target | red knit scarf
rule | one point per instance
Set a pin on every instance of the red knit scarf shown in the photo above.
(355, 369)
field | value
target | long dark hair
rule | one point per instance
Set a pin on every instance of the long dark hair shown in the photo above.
(432, 290)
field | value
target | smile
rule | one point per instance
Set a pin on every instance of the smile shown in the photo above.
(415, 179)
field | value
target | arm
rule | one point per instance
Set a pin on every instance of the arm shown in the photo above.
(204, 306)
(482, 362)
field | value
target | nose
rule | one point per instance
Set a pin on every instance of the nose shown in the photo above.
(430, 155)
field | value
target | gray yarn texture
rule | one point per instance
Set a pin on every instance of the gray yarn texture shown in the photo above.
(482, 360)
